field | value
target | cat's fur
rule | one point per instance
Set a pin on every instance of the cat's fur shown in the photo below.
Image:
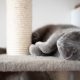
(69, 45)
(44, 39)
(43, 33)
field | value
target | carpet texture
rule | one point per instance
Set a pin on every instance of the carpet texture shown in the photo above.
(36, 63)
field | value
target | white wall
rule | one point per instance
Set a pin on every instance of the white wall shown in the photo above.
(52, 12)
(44, 12)
(2, 23)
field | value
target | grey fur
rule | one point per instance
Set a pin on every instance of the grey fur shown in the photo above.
(69, 45)
(44, 43)
(45, 38)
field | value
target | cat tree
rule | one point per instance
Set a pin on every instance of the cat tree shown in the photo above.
(19, 23)
(19, 20)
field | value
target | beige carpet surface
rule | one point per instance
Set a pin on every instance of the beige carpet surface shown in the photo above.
(36, 63)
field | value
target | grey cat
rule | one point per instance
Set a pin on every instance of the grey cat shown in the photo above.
(44, 39)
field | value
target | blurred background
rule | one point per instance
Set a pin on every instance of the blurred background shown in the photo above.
(43, 12)
(52, 11)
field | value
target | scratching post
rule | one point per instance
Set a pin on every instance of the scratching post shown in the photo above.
(18, 26)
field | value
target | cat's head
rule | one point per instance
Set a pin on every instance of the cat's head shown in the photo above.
(35, 37)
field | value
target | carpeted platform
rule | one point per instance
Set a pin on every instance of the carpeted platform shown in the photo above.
(36, 63)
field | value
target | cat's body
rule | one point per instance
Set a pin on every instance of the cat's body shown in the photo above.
(44, 39)
(43, 33)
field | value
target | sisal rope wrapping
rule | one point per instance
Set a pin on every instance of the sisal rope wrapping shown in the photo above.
(19, 22)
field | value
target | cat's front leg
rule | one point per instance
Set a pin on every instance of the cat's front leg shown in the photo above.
(50, 45)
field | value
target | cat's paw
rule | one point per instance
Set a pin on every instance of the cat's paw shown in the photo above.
(43, 46)
(34, 50)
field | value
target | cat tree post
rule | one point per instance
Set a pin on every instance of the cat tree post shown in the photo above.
(19, 21)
